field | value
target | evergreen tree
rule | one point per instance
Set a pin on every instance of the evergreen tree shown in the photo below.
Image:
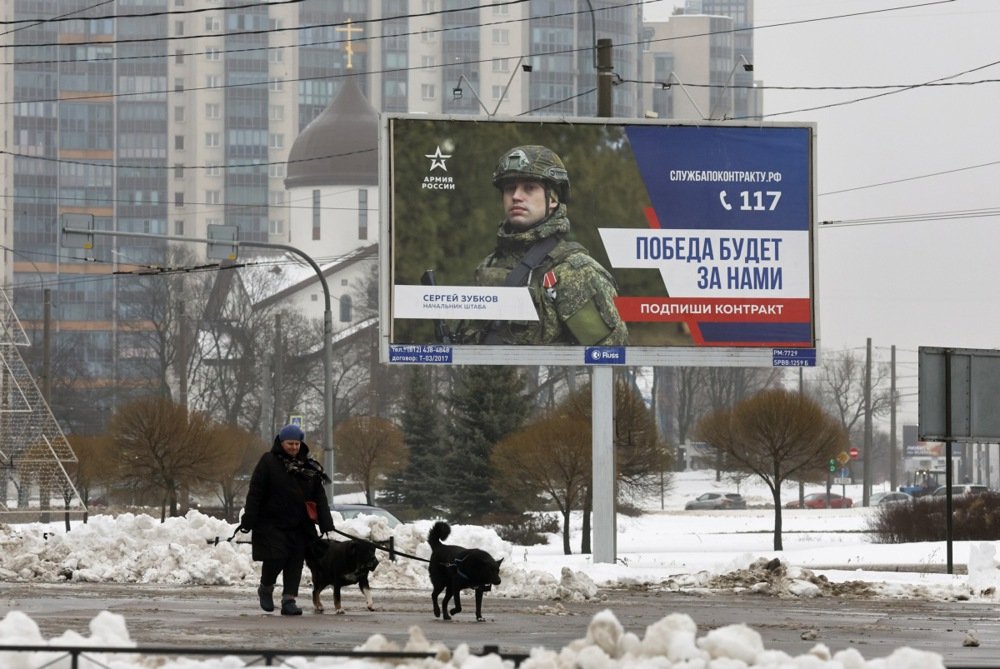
(420, 485)
(488, 403)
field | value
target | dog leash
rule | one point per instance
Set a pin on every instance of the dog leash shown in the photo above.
(378, 545)
(391, 550)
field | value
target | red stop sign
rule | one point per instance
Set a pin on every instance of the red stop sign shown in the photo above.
(853, 453)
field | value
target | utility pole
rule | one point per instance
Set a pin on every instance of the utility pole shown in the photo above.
(605, 102)
(893, 454)
(866, 486)
(46, 344)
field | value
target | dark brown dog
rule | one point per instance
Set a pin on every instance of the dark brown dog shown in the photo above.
(455, 568)
(340, 563)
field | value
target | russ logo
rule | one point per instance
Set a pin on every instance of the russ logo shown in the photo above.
(439, 162)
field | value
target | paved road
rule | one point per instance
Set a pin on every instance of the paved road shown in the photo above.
(195, 616)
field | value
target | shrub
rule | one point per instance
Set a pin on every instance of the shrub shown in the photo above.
(974, 518)
(524, 529)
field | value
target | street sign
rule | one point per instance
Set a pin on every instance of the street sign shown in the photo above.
(854, 453)
(840, 480)
(833, 465)
(843, 458)
(220, 246)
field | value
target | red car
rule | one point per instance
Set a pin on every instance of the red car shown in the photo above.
(817, 500)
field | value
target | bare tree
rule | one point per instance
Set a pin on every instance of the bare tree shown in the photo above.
(239, 450)
(549, 457)
(778, 436)
(639, 452)
(725, 386)
(161, 444)
(840, 389)
(369, 448)
(160, 307)
(93, 467)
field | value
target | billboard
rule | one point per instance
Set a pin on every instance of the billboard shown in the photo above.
(677, 243)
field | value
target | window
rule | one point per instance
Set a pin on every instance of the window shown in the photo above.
(428, 61)
(179, 85)
(178, 27)
(212, 24)
(496, 92)
(213, 53)
(363, 213)
(501, 36)
(213, 197)
(501, 65)
(213, 170)
(276, 140)
(179, 56)
(276, 113)
(212, 139)
(179, 114)
(501, 9)
(276, 198)
(178, 171)
(277, 170)
(275, 227)
(345, 309)
(427, 91)
(213, 110)
(275, 24)
(276, 55)
(178, 227)
(316, 215)
(178, 142)
(213, 81)
(179, 199)
(276, 85)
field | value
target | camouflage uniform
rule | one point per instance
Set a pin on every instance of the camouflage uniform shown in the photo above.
(572, 293)
(579, 306)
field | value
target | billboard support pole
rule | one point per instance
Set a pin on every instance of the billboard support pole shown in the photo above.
(603, 457)
(602, 384)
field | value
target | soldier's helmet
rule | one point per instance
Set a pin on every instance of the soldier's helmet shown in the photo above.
(532, 161)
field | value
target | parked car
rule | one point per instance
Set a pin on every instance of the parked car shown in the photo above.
(960, 490)
(717, 500)
(348, 511)
(891, 497)
(817, 500)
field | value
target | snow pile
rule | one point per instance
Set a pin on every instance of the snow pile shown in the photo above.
(657, 552)
(673, 641)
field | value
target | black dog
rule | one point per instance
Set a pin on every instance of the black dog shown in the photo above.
(454, 568)
(340, 563)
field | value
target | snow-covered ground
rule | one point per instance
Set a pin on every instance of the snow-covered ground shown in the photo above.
(824, 551)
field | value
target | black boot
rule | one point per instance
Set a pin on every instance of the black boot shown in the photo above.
(264, 593)
(288, 607)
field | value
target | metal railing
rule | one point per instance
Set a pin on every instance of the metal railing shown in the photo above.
(268, 656)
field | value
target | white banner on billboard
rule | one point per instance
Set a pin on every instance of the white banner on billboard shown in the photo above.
(496, 303)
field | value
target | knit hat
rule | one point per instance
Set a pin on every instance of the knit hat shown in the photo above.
(291, 433)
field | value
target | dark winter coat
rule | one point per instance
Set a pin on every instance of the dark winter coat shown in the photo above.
(275, 509)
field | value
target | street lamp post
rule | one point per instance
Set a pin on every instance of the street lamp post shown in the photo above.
(327, 356)
(328, 464)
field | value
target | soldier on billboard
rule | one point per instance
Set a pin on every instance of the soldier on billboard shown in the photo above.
(572, 293)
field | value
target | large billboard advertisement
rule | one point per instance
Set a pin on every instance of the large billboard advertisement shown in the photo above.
(581, 241)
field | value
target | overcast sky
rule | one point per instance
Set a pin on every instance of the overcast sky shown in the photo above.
(917, 157)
